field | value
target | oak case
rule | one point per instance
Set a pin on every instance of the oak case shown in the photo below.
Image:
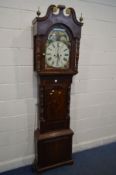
(56, 53)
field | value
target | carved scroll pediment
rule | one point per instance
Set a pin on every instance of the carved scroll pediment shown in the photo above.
(58, 15)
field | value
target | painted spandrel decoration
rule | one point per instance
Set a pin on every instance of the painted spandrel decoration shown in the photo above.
(57, 48)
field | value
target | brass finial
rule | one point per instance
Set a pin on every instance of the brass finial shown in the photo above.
(38, 12)
(81, 18)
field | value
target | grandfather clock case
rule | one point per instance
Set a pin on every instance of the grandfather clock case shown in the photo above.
(56, 52)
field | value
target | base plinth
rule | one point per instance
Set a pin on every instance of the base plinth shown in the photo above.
(53, 149)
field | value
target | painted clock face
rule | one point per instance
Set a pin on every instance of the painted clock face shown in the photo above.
(57, 52)
(57, 55)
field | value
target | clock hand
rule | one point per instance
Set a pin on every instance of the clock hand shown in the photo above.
(58, 57)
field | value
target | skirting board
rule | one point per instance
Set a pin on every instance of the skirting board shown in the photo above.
(93, 143)
(16, 163)
(28, 160)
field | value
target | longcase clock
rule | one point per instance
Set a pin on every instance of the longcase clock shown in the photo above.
(56, 53)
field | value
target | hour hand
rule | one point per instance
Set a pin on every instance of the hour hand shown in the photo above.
(58, 58)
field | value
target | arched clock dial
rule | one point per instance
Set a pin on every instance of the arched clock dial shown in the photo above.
(57, 52)
(57, 55)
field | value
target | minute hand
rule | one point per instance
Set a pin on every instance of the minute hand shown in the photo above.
(58, 57)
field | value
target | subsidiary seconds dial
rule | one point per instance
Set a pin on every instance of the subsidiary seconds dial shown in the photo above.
(57, 55)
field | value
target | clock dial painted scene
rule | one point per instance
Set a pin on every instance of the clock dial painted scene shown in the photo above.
(57, 50)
